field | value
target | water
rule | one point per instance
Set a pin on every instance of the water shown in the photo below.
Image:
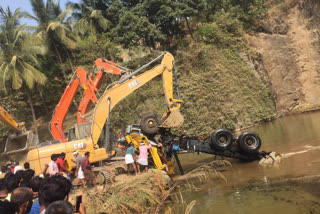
(255, 189)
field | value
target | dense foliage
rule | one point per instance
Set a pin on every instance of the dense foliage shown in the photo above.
(206, 37)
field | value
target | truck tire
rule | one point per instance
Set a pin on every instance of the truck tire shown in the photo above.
(249, 142)
(221, 139)
(149, 123)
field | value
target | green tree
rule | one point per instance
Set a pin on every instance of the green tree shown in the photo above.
(134, 29)
(53, 29)
(19, 52)
(90, 17)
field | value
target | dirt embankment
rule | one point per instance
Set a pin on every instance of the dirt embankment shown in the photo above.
(128, 194)
(290, 47)
(151, 192)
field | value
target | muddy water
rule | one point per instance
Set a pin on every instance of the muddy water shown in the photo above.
(255, 189)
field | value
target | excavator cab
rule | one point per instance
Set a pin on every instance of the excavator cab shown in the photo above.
(79, 131)
(20, 143)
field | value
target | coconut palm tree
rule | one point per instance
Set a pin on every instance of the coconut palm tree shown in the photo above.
(19, 53)
(89, 16)
(53, 29)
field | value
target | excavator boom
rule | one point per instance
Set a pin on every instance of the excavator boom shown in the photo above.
(7, 118)
(22, 140)
(128, 85)
(87, 99)
(80, 78)
(56, 125)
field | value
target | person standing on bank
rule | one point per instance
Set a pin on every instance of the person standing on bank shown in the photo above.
(87, 169)
(79, 172)
(130, 158)
(143, 156)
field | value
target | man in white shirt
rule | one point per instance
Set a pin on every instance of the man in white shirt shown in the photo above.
(53, 167)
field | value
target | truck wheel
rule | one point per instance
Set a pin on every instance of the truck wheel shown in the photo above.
(221, 139)
(149, 123)
(249, 142)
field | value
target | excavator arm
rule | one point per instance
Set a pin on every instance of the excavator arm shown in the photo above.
(79, 78)
(7, 118)
(88, 98)
(131, 83)
(22, 140)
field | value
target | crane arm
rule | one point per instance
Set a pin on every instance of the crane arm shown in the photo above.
(7, 118)
(56, 124)
(128, 85)
(89, 98)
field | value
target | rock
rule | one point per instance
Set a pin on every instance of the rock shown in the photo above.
(278, 25)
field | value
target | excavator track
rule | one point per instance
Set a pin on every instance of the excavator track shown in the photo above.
(105, 174)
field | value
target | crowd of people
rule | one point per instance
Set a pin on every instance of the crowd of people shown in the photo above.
(22, 192)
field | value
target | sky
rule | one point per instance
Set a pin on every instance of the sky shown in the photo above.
(25, 5)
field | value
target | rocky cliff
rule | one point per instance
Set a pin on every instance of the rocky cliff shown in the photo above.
(289, 44)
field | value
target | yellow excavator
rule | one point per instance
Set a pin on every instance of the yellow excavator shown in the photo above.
(22, 140)
(84, 137)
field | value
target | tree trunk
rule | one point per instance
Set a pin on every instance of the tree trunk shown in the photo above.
(42, 99)
(60, 60)
(189, 27)
(72, 69)
(33, 113)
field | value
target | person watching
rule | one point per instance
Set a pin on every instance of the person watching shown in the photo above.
(20, 175)
(22, 197)
(87, 169)
(53, 167)
(53, 189)
(26, 177)
(11, 166)
(12, 182)
(35, 184)
(26, 165)
(79, 172)
(4, 171)
(17, 167)
(7, 207)
(3, 190)
(62, 165)
(59, 207)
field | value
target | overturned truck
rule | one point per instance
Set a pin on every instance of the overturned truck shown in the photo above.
(245, 147)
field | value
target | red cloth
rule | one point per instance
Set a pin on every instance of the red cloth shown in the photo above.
(85, 164)
(61, 164)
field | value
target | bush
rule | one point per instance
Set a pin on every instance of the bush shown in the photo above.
(223, 32)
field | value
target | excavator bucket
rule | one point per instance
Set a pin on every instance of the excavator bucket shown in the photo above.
(20, 143)
(172, 119)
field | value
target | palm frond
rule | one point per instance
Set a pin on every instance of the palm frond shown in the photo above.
(12, 64)
(17, 81)
(64, 13)
(37, 76)
(2, 68)
(102, 21)
(82, 26)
